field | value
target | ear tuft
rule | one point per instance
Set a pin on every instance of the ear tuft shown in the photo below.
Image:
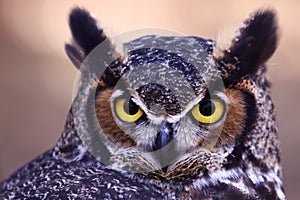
(86, 38)
(74, 55)
(85, 30)
(253, 45)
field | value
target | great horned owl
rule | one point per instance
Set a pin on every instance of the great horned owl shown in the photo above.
(171, 118)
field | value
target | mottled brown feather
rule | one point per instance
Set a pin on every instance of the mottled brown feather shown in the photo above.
(107, 121)
(235, 118)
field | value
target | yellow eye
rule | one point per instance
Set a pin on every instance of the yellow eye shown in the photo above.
(209, 111)
(127, 110)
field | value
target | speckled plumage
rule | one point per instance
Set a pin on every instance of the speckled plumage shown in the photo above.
(164, 154)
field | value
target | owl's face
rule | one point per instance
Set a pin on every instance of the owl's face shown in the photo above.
(179, 108)
(169, 108)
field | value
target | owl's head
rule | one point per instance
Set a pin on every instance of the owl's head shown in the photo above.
(181, 107)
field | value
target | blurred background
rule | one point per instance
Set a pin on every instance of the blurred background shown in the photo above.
(36, 78)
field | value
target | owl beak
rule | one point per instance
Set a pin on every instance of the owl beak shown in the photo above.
(164, 136)
(165, 154)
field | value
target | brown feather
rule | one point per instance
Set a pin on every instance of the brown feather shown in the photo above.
(235, 119)
(107, 121)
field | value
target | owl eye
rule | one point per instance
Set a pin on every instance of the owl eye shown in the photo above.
(209, 111)
(127, 110)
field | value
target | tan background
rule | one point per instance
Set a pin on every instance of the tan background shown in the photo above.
(36, 78)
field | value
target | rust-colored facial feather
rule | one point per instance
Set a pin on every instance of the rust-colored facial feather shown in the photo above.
(235, 119)
(107, 121)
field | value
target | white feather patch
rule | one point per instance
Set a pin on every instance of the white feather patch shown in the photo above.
(225, 39)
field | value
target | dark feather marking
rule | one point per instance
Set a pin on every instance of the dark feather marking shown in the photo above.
(84, 30)
(235, 158)
(253, 47)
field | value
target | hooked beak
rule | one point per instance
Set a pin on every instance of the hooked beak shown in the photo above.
(165, 155)
(164, 136)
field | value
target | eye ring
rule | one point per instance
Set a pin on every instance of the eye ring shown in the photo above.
(127, 110)
(209, 111)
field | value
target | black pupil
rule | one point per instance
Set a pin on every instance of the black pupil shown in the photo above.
(207, 108)
(130, 107)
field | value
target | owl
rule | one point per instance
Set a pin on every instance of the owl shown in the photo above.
(168, 117)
